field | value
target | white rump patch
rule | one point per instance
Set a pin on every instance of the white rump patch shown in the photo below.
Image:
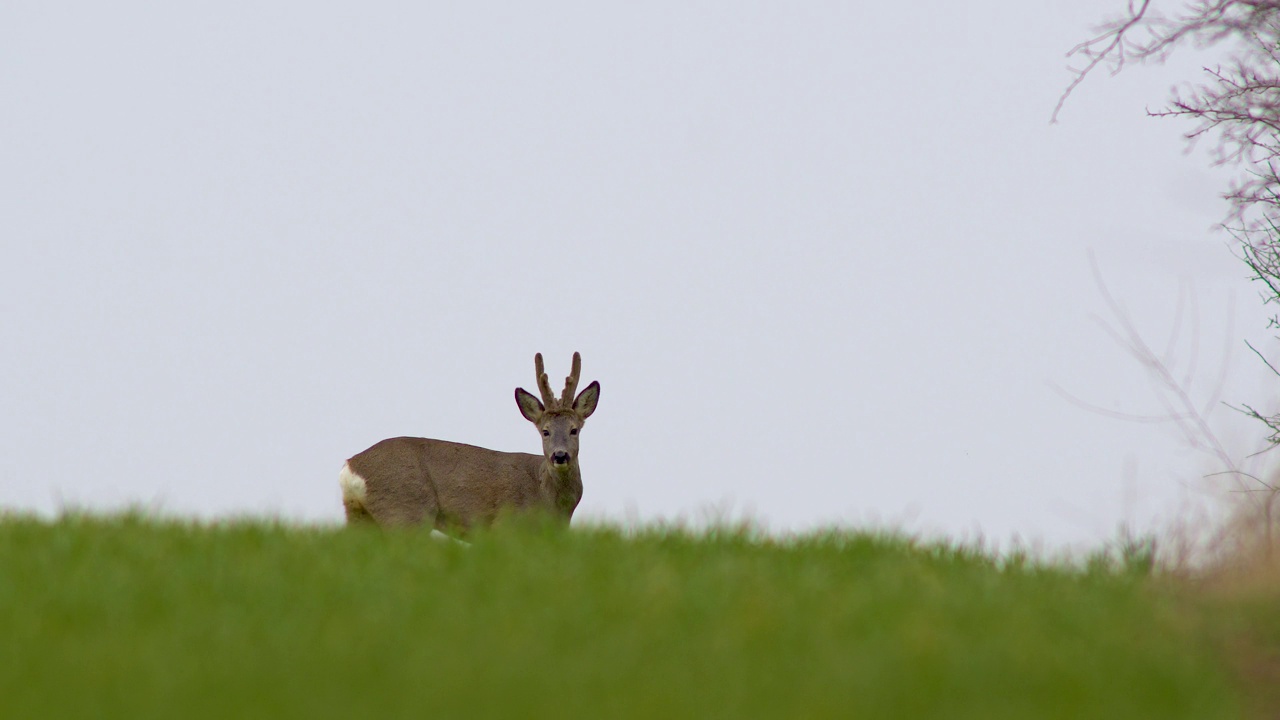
(353, 489)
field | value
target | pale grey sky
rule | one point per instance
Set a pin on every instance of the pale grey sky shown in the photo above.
(824, 259)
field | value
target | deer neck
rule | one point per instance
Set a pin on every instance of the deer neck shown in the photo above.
(561, 485)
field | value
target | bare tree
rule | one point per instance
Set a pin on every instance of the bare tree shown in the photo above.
(1235, 106)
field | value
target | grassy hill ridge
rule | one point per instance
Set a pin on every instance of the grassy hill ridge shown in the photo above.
(126, 616)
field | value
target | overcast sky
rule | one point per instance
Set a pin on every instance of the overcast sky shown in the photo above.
(826, 259)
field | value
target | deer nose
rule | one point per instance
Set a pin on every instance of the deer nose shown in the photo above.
(560, 457)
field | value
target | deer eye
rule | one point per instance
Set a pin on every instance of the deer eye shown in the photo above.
(573, 431)
(546, 433)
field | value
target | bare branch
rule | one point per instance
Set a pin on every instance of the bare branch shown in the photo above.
(1107, 412)
(1174, 395)
(1112, 38)
(1260, 357)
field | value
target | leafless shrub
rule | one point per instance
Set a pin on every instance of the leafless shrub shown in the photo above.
(1251, 523)
(1237, 104)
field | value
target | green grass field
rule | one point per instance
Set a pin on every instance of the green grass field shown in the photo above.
(140, 618)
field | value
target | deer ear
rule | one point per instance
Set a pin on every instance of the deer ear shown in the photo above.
(530, 406)
(587, 399)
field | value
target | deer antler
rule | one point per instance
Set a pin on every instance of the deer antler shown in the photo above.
(544, 386)
(571, 382)
(549, 400)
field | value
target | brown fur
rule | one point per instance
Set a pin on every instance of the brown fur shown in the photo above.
(452, 486)
(447, 485)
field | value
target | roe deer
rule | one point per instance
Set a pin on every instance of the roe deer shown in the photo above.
(451, 486)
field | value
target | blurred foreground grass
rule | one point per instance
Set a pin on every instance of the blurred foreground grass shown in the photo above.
(131, 617)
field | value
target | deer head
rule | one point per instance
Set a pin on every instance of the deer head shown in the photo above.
(559, 419)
